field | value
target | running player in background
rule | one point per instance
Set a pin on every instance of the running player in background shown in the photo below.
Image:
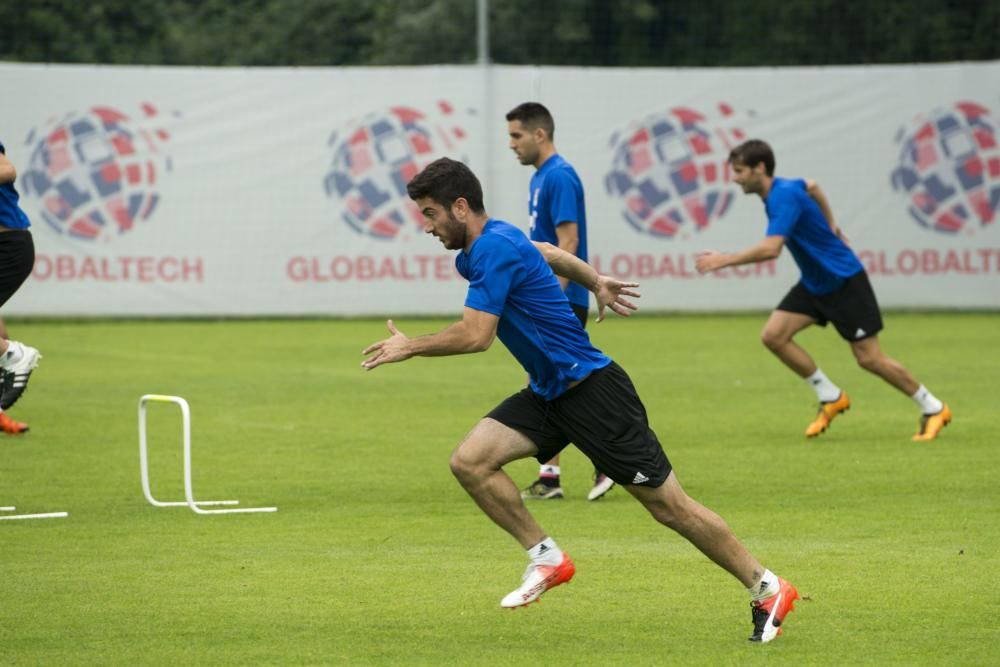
(834, 288)
(558, 216)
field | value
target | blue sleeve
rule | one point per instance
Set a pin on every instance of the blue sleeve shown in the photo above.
(2, 148)
(561, 198)
(784, 212)
(492, 271)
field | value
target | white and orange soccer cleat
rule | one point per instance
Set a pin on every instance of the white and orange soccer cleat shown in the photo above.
(769, 614)
(537, 580)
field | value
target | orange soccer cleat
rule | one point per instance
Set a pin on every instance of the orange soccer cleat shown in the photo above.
(537, 580)
(769, 614)
(931, 425)
(826, 413)
(8, 425)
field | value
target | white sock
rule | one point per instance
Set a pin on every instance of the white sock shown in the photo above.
(927, 401)
(767, 587)
(826, 391)
(548, 471)
(546, 552)
(13, 355)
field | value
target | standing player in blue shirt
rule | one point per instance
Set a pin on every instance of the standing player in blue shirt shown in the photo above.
(558, 216)
(834, 288)
(17, 257)
(575, 394)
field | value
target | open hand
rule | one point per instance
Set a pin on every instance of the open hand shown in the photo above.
(611, 293)
(390, 350)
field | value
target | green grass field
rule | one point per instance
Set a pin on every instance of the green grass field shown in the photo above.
(377, 557)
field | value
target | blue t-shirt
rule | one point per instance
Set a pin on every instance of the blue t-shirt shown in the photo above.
(509, 278)
(555, 195)
(824, 260)
(11, 214)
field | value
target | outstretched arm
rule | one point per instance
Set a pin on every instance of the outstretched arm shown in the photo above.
(608, 292)
(818, 196)
(475, 333)
(711, 260)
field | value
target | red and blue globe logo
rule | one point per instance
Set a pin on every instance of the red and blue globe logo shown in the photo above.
(93, 174)
(671, 171)
(949, 168)
(375, 157)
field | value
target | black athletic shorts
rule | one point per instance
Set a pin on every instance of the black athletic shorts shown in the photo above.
(852, 308)
(17, 257)
(602, 416)
(581, 313)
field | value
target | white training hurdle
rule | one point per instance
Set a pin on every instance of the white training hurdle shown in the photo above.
(195, 505)
(43, 515)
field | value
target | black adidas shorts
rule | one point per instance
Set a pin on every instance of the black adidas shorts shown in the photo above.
(581, 313)
(17, 257)
(852, 308)
(602, 416)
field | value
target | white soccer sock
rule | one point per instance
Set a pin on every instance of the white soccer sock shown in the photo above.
(546, 552)
(548, 471)
(13, 355)
(927, 401)
(767, 587)
(826, 391)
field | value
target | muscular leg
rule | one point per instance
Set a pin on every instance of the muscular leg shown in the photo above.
(477, 463)
(777, 336)
(870, 357)
(701, 526)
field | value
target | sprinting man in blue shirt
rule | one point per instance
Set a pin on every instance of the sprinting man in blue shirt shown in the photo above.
(834, 287)
(575, 394)
(557, 215)
(17, 258)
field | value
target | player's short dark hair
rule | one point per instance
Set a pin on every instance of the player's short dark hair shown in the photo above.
(752, 152)
(444, 181)
(533, 116)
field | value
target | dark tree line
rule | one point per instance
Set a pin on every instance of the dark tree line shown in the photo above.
(624, 33)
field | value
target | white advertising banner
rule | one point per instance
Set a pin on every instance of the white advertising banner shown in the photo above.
(239, 192)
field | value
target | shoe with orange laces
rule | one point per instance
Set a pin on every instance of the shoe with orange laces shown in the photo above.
(826, 413)
(8, 425)
(769, 614)
(931, 425)
(537, 580)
